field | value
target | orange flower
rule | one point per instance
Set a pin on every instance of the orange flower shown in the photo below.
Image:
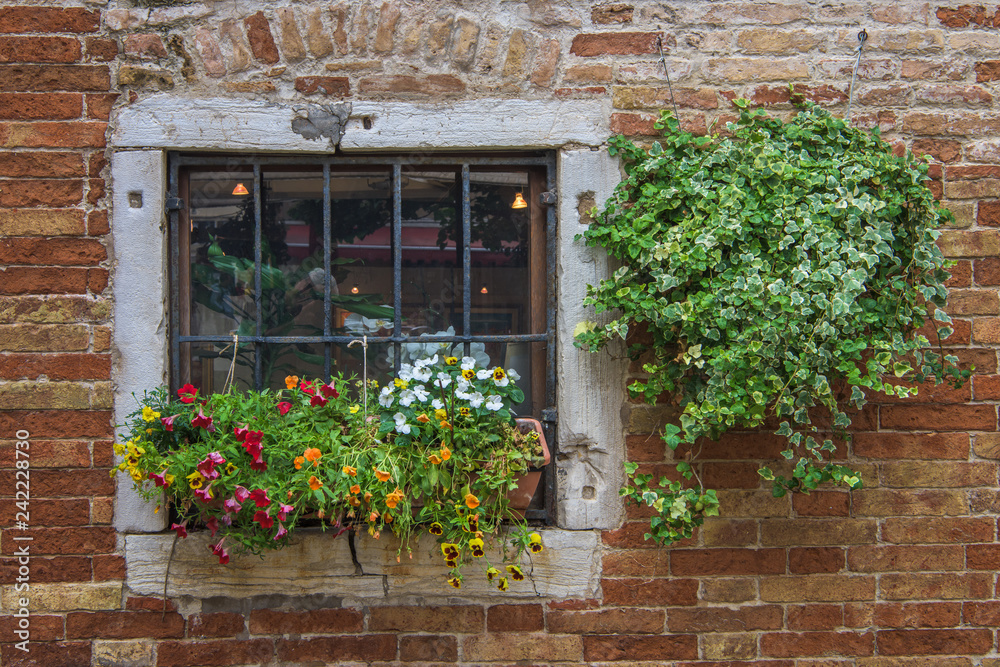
(313, 454)
(356, 488)
(471, 501)
(382, 475)
(392, 499)
(423, 419)
(314, 483)
(348, 470)
(445, 424)
(368, 496)
(435, 459)
(292, 381)
(445, 453)
(299, 460)
(373, 517)
(353, 501)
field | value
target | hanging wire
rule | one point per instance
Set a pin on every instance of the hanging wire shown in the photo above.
(862, 38)
(663, 59)
(364, 353)
(232, 366)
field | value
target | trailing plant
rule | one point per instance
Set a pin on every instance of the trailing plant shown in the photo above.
(434, 450)
(782, 276)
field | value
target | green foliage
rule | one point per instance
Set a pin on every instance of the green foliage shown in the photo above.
(436, 449)
(781, 277)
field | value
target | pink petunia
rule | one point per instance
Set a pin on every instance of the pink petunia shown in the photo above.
(231, 505)
(259, 496)
(283, 511)
(161, 479)
(181, 529)
(207, 465)
(168, 422)
(213, 525)
(329, 390)
(204, 495)
(281, 532)
(263, 518)
(187, 393)
(241, 494)
(203, 421)
(220, 551)
(284, 407)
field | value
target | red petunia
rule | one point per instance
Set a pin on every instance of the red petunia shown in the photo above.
(284, 407)
(329, 390)
(308, 388)
(168, 422)
(259, 496)
(263, 518)
(203, 421)
(187, 393)
(318, 401)
(181, 529)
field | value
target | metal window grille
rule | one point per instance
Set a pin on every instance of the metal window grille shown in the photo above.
(395, 166)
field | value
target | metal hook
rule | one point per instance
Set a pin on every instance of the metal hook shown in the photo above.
(663, 59)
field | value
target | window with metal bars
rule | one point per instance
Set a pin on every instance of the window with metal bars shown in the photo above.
(279, 264)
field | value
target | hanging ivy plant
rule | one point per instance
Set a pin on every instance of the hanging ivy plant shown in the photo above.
(781, 275)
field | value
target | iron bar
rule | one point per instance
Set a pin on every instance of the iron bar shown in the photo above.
(327, 243)
(295, 160)
(466, 260)
(397, 262)
(490, 338)
(258, 183)
(173, 190)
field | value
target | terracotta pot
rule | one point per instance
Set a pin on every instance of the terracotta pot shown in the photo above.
(527, 484)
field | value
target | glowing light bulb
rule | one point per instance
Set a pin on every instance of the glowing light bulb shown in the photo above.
(240, 189)
(354, 290)
(484, 290)
(519, 201)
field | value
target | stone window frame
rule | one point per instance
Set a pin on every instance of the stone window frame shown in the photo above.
(590, 389)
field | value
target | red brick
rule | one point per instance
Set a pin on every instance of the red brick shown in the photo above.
(963, 16)
(464, 619)
(145, 46)
(700, 562)
(95, 165)
(269, 621)
(614, 43)
(431, 85)
(632, 125)
(629, 536)
(989, 214)
(822, 503)
(64, 252)
(794, 645)
(578, 93)
(53, 135)
(724, 619)
(640, 447)
(97, 223)
(934, 642)
(601, 648)
(815, 560)
(339, 86)
(31, 280)
(57, 423)
(43, 628)
(101, 50)
(646, 562)
(56, 367)
(38, 192)
(649, 592)
(60, 569)
(124, 625)
(41, 19)
(260, 38)
(109, 567)
(987, 269)
(99, 105)
(220, 624)
(95, 191)
(934, 530)
(770, 95)
(981, 613)
(725, 475)
(94, 78)
(48, 164)
(815, 617)
(607, 621)
(918, 615)
(56, 483)
(904, 559)
(912, 445)
(147, 603)
(515, 618)
(69, 654)
(49, 454)
(332, 649)
(97, 282)
(983, 556)
(987, 70)
(437, 648)
(62, 541)
(955, 418)
(214, 653)
(940, 149)
(39, 50)
(52, 513)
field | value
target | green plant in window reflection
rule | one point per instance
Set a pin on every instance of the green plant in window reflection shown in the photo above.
(492, 222)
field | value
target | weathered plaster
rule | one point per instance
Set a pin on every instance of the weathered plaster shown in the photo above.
(138, 186)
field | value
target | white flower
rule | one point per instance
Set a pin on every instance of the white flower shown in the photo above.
(405, 372)
(359, 325)
(401, 425)
(437, 404)
(422, 374)
(385, 398)
(462, 395)
(406, 398)
(461, 384)
(421, 363)
(443, 380)
(484, 373)
(502, 382)
(513, 375)
(420, 393)
(476, 400)
(468, 363)
(494, 403)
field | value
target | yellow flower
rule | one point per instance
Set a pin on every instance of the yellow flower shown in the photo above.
(502, 584)
(535, 543)
(463, 411)
(195, 480)
(471, 501)
(491, 573)
(440, 414)
(354, 409)
(476, 545)
(136, 474)
(169, 479)
(469, 374)
(498, 374)
(292, 381)
(451, 361)
(230, 468)
(455, 581)
(436, 529)
(515, 573)
(148, 414)
(120, 449)
(402, 384)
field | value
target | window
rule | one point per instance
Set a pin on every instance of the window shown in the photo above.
(280, 265)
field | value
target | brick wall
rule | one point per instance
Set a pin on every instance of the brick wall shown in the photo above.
(900, 574)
